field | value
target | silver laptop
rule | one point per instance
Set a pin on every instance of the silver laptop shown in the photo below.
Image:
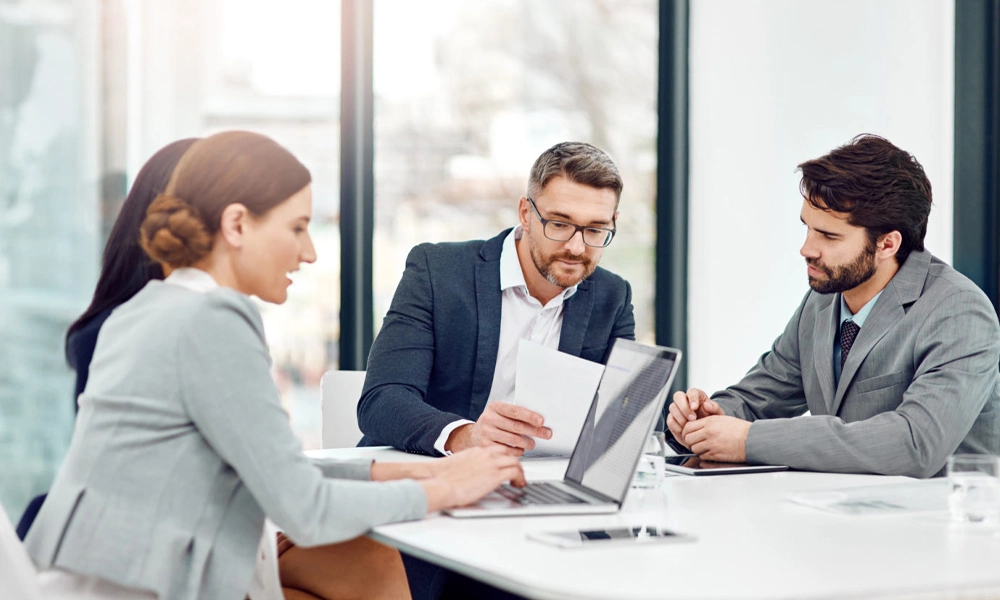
(622, 415)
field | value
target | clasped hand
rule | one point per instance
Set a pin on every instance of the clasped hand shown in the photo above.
(701, 425)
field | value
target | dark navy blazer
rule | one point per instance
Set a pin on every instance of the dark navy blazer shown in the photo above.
(433, 361)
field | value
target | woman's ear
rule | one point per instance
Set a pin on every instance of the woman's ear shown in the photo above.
(233, 224)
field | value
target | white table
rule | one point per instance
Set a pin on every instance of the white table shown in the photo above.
(751, 543)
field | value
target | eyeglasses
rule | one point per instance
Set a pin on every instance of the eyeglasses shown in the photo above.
(561, 231)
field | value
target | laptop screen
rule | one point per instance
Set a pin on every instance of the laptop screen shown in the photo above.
(622, 415)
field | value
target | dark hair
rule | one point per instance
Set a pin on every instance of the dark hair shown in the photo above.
(881, 187)
(579, 162)
(124, 266)
(223, 169)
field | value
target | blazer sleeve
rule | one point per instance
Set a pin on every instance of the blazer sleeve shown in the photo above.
(773, 387)
(392, 408)
(624, 326)
(957, 352)
(227, 390)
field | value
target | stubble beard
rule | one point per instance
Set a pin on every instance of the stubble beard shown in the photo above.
(544, 266)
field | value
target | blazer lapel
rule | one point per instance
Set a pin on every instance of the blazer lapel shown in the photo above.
(903, 289)
(576, 319)
(827, 325)
(488, 309)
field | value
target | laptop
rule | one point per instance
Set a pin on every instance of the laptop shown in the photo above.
(623, 412)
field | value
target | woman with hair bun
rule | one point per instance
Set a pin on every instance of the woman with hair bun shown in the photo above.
(182, 448)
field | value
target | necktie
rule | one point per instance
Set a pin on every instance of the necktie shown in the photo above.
(848, 331)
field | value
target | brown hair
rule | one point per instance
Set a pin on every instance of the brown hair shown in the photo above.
(579, 162)
(219, 170)
(881, 187)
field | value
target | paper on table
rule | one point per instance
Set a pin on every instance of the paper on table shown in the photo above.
(890, 498)
(558, 386)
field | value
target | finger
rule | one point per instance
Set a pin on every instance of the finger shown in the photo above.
(676, 407)
(682, 403)
(712, 407)
(510, 439)
(518, 413)
(515, 476)
(518, 427)
(674, 427)
(691, 438)
(693, 426)
(697, 398)
(506, 450)
(702, 448)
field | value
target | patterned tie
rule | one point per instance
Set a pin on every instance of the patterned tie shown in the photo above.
(848, 331)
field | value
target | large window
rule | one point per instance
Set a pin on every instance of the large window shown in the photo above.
(202, 66)
(468, 94)
(89, 91)
(49, 228)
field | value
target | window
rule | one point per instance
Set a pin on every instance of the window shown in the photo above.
(49, 203)
(213, 65)
(468, 94)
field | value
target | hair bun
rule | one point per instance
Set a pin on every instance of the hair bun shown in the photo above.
(174, 232)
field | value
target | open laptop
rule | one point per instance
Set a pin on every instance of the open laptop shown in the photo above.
(628, 402)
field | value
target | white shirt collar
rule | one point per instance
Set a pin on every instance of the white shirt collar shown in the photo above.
(511, 275)
(193, 279)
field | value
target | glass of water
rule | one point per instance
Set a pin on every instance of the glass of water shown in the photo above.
(649, 471)
(975, 489)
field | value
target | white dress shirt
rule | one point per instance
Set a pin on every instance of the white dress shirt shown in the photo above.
(521, 317)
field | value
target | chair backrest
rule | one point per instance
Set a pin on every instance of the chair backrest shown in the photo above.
(17, 572)
(339, 393)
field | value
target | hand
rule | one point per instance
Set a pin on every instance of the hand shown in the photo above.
(718, 438)
(467, 476)
(509, 426)
(689, 407)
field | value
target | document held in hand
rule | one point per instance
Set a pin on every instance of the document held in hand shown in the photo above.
(558, 386)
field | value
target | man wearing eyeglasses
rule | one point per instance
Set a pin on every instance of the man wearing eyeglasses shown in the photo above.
(441, 370)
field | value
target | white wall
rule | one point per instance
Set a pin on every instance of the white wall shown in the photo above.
(775, 83)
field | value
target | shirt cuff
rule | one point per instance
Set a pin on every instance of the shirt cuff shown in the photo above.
(443, 438)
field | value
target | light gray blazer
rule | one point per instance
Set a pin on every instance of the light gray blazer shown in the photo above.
(921, 381)
(181, 448)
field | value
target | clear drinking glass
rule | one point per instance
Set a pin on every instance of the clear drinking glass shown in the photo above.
(975, 489)
(649, 471)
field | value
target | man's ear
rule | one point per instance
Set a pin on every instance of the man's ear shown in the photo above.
(524, 213)
(233, 224)
(888, 244)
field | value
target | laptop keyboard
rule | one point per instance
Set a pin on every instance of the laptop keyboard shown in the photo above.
(538, 493)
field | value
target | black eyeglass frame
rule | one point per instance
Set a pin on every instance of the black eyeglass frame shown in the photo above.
(576, 228)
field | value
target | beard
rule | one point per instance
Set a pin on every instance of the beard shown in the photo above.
(845, 277)
(544, 265)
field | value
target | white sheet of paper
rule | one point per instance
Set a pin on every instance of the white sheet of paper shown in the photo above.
(558, 386)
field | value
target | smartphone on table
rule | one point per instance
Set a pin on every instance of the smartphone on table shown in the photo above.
(597, 537)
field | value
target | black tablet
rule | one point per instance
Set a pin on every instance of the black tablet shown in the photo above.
(690, 464)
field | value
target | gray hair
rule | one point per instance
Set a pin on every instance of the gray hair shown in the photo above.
(580, 163)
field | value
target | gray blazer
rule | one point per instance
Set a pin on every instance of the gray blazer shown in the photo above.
(182, 447)
(920, 383)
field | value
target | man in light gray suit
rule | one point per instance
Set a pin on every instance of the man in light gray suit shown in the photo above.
(894, 353)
